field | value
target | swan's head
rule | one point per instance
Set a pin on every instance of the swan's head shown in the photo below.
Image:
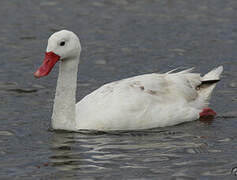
(63, 45)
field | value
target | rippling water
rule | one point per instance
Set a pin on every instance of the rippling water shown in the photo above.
(119, 39)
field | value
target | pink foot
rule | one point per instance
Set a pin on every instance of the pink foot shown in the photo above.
(206, 112)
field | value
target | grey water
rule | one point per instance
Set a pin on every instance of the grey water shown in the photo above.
(119, 39)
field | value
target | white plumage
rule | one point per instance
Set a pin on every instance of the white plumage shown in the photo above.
(141, 102)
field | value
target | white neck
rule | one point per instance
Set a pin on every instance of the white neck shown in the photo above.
(65, 98)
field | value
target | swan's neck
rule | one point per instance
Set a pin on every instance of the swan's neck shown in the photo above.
(65, 98)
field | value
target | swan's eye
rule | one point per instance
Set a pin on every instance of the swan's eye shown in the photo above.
(62, 43)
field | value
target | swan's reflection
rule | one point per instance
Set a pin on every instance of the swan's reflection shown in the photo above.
(93, 153)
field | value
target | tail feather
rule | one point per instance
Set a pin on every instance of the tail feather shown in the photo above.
(214, 74)
(209, 81)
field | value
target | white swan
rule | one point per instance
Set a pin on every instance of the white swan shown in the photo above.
(141, 102)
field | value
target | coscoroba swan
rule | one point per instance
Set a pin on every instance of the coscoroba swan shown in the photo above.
(141, 102)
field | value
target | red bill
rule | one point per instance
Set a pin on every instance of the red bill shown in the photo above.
(50, 60)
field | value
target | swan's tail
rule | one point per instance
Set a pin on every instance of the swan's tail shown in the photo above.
(209, 81)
